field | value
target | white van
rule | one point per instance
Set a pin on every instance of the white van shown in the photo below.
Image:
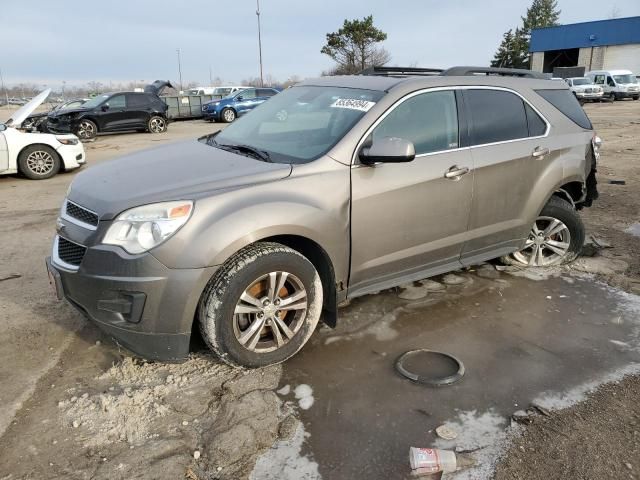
(617, 84)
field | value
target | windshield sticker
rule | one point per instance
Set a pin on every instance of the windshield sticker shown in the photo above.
(353, 104)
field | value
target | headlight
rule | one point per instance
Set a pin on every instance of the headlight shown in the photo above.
(143, 228)
(67, 141)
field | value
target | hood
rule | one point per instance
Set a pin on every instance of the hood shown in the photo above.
(180, 171)
(27, 109)
(71, 111)
(158, 86)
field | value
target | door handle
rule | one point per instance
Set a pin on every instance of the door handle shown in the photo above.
(539, 153)
(455, 172)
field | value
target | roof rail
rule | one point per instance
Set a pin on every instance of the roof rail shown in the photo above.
(508, 72)
(400, 71)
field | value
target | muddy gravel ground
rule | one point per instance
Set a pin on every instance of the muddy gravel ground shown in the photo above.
(76, 406)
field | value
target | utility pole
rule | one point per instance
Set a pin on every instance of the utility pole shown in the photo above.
(6, 94)
(210, 77)
(259, 41)
(64, 84)
(179, 67)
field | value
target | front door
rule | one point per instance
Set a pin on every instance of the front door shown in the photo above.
(247, 101)
(409, 220)
(116, 116)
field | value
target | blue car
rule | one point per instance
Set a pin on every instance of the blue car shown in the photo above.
(229, 108)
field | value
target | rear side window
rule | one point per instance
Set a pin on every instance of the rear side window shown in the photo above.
(429, 120)
(496, 116)
(266, 92)
(537, 127)
(566, 102)
(137, 100)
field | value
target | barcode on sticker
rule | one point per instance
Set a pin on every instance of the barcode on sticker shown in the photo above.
(353, 104)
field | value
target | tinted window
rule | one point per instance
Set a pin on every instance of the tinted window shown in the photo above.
(117, 101)
(496, 116)
(537, 127)
(599, 80)
(266, 92)
(610, 82)
(137, 100)
(429, 120)
(567, 103)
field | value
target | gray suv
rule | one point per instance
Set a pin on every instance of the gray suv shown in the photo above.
(335, 188)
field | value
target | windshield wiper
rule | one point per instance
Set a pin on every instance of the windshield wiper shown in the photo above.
(247, 149)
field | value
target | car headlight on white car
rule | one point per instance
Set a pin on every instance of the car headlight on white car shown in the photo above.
(142, 228)
(67, 141)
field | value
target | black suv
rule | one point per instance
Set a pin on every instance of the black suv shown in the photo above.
(114, 112)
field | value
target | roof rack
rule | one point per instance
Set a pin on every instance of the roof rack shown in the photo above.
(400, 71)
(507, 72)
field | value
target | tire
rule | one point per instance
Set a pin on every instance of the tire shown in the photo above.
(86, 130)
(556, 210)
(249, 272)
(612, 97)
(636, 97)
(228, 115)
(38, 162)
(157, 124)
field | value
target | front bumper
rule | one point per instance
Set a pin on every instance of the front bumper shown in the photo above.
(589, 96)
(145, 306)
(72, 155)
(59, 126)
(210, 115)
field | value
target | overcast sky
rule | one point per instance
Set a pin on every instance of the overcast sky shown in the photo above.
(46, 42)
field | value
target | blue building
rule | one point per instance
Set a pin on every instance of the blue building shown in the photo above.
(601, 45)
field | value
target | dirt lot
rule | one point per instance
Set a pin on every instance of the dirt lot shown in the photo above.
(75, 406)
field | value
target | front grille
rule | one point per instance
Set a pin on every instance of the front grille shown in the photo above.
(70, 252)
(82, 214)
(589, 90)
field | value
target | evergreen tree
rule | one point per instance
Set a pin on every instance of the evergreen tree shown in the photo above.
(541, 13)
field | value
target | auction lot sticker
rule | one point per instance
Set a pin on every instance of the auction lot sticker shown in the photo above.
(353, 104)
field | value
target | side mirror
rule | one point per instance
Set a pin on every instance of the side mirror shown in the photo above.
(3, 127)
(239, 97)
(388, 150)
(105, 107)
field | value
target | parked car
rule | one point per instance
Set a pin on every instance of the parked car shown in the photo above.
(617, 84)
(16, 101)
(229, 108)
(335, 188)
(36, 155)
(38, 121)
(113, 112)
(584, 89)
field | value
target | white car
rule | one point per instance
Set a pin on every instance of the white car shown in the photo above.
(584, 89)
(36, 155)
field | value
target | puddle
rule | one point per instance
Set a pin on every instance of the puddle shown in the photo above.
(634, 229)
(521, 341)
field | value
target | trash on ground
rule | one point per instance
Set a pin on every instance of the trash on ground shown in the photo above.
(431, 460)
(430, 367)
(617, 182)
(10, 277)
(446, 433)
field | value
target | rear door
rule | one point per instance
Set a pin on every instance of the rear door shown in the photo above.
(510, 151)
(138, 109)
(407, 219)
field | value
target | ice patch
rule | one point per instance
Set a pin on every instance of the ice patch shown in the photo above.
(304, 395)
(284, 461)
(633, 229)
(411, 292)
(284, 390)
(483, 432)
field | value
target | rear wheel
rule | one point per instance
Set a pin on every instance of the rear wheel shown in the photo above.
(157, 124)
(636, 97)
(262, 306)
(38, 162)
(556, 237)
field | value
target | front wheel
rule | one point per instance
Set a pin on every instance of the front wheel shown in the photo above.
(86, 130)
(556, 237)
(228, 115)
(636, 97)
(38, 162)
(156, 124)
(262, 306)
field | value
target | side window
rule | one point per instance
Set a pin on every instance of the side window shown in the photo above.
(496, 116)
(536, 124)
(266, 92)
(117, 101)
(599, 80)
(247, 94)
(610, 82)
(566, 102)
(137, 100)
(429, 120)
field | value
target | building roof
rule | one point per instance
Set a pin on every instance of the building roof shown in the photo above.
(616, 31)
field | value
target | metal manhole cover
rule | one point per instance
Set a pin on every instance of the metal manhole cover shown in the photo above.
(430, 367)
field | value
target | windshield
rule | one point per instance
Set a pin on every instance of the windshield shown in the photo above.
(581, 81)
(625, 79)
(95, 101)
(222, 91)
(301, 123)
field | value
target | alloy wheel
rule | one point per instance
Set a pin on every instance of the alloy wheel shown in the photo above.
(270, 312)
(157, 125)
(548, 243)
(40, 162)
(229, 116)
(86, 130)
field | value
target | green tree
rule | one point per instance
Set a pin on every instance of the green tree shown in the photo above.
(541, 13)
(354, 48)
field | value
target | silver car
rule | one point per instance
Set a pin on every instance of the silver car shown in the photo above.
(335, 188)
